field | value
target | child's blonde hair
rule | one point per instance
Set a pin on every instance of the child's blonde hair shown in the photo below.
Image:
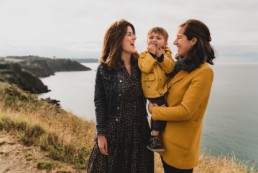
(159, 30)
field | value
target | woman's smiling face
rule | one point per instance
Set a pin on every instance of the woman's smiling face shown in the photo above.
(182, 43)
(129, 41)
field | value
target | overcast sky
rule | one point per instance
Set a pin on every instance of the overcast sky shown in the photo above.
(75, 28)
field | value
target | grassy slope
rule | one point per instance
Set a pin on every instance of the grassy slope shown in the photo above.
(67, 138)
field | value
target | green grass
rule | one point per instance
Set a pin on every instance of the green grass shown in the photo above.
(47, 164)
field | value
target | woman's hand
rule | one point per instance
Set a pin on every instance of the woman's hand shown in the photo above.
(150, 106)
(102, 143)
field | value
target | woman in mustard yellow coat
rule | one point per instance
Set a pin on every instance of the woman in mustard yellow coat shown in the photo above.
(188, 94)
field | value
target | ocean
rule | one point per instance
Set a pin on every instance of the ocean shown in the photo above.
(230, 123)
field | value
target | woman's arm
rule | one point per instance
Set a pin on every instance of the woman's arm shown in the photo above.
(100, 103)
(197, 91)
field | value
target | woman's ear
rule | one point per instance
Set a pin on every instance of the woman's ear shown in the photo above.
(194, 41)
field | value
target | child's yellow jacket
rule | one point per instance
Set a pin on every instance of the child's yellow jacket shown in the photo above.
(154, 73)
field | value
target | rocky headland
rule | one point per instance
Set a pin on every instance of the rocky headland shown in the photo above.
(26, 71)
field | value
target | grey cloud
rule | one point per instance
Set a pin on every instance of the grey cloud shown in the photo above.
(76, 28)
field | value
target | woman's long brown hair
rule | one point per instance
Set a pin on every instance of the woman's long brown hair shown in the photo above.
(112, 44)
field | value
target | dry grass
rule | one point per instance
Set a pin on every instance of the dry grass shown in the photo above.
(211, 164)
(158, 164)
(69, 139)
(223, 164)
(66, 137)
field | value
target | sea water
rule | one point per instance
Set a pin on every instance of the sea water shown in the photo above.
(231, 121)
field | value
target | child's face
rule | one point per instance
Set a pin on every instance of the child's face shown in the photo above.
(157, 39)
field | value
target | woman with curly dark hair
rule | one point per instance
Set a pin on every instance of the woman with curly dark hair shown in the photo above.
(188, 94)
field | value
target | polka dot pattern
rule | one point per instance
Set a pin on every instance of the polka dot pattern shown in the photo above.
(128, 136)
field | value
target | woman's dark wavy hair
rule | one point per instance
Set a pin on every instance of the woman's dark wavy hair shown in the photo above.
(202, 51)
(112, 44)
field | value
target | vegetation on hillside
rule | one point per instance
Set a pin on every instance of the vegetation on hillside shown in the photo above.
(67, 138)
(13, 74)
(64, 136)
(25, 71)
(44, 67)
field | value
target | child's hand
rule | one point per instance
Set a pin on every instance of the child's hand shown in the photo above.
(159, 52)
(152, 48)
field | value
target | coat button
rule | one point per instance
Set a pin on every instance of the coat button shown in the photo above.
(120, 81)
(118, 107)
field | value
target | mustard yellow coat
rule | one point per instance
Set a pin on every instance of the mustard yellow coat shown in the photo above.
(187, 99)
(154, 73)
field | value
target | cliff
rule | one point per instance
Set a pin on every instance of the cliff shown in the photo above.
(13, 74)
(44, 67)
(25, 71)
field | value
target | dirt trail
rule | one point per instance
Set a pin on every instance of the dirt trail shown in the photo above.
(17, 158)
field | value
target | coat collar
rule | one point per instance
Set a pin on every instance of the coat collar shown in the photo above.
(179, 76)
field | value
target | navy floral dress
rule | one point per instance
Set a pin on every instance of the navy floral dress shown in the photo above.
(127, 138)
